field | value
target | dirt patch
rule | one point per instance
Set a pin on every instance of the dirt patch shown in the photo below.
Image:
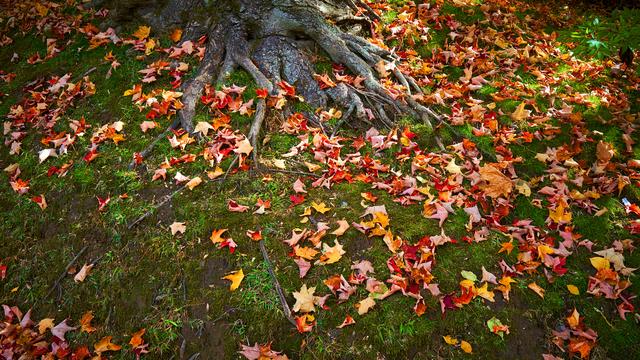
(214, 269)
(527, 338)
(79, 207)
(203, 336)
(358, 247)
(153, 195)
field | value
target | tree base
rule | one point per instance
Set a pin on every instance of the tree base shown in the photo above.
(268, 40)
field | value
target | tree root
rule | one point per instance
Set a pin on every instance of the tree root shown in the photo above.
(283, 299)
(275, 56)
(66, 270)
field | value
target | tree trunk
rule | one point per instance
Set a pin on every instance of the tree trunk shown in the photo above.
(271, 40)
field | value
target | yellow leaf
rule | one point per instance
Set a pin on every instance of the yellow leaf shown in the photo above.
(573, 289)
(537, 289)
(574, 319)
(321, 207)
(365, 305)
(450, 340)
(215, 173)
(381, 218)
(194, 182)
(305, 252)
(42, 10)
(452, 167)
(149, 46)
(44, 325)
(331, 254)
(560, 215)
(235, 278)
(520, 114)
(600, 263)
(142, 32)
(466, 347)
(523, 188)
(484, 292)
(304, 299)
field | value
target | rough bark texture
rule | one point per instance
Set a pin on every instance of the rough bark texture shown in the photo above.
(271, 40)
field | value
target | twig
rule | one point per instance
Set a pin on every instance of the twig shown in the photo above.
(66, 269)
(153, 209)
(294, 172)
(283, 299)
(144, 153)
(604, 317)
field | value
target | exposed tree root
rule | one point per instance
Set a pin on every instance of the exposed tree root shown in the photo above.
(265, 45)
(283, 299)
(66, 270)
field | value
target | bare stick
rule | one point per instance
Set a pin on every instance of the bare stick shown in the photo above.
(153, 209)
(66, 270)
(283, 299)
(294, 172)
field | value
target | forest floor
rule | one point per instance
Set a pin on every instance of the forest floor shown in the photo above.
(536, 90)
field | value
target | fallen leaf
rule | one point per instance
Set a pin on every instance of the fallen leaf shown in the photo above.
(236, 278)
(466, 347)
(233, 206)
(450, 340)
(600, 263)
(216, 236)
(105, 345)
(520, 114)
(298, 186)
(303, 266)
(82, 274)
(537, 289)
(142, 32)
(331, 254)
(136, 338)
(573, 289)
(177, 227)
(452, 167)
(321, 207)
(40, 200)
(495, 183)
(193, 182)
(243, 147)
(85, 322)
(365, 305)
(176, 35)
(348, 320)
(304, 299)
(203, 127)
(44, 325)
(343, 225)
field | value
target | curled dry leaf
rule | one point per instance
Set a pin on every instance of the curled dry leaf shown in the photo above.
(83, 273)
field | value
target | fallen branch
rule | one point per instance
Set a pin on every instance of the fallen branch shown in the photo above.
(283, 299)
(66, 270)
